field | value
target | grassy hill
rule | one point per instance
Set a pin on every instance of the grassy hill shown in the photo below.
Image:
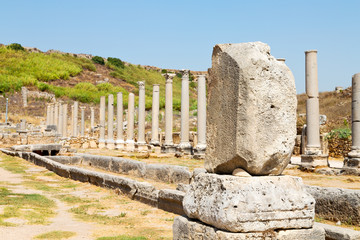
(71, 77)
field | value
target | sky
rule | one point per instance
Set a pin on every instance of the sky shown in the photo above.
(181, 34)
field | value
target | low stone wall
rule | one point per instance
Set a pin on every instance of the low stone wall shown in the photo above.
(158, 172)
(336, 204)
(166, 199)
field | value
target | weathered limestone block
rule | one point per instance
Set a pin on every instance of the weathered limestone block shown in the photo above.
(250, 204)
(336, 204)
(185, 228)
(251, 111)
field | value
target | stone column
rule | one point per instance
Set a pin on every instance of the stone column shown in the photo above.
(56, 115)
(48, 114)
(102, 122)
(24, 92)
(92, 118)
(52, 109)
(64, 127)
(82, 126)
(313, 154)
(130, 146)
(119, 121)
(185, 145)
(110, 143)
(60, 120)
(168, 146)
(141, 144)
(155, 116)
(75, 119)
(72, 121)
(353, 159)
(200, 148)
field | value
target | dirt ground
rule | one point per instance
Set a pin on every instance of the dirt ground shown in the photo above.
(86, 211)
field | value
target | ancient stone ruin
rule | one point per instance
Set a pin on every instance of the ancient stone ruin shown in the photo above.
(251, 119)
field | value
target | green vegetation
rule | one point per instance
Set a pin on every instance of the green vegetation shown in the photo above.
(33, 208)
(83, 212)
(19, 67)
(122, 237)
(98, 60)
(56, 235)
(16, 46)
(341, 133)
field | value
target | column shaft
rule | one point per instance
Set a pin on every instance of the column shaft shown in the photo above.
(102, 122)
(168, 111)
(119, 121)
(130, 123)
(75, 119)
(141, 115)
(184, 142)
(82, 126)
(64, 128)
(110, 139)
(155, 116)
(201, 113)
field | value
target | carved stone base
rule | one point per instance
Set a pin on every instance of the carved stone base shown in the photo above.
(141, 147)
(351, 162)
(130, 146)
(184, 228)
(168, 148)
(102, 144)
(315, 160)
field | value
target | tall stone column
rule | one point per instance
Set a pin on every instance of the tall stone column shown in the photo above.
(72, 121)
(60, 120)
(56, 115)
(130, 146)
(185, 146)
(200, 148)
(75, 119)
(119, 121)
(48, 114)
(102, 122)
(313, 155)
(52, 113)
(155, 116)
(353, 159)
(24, 93)
(168, 145)
(141, 144)
(92, 118)
(110, 143)
(82, 126)
(65, 113)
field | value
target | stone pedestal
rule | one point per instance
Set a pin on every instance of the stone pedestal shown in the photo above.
(185, 228)
(231, 207)
(199, 150)
(110, 143)
(119, 122)
(141, 144)
(155, 116)
(185, 146)
(102, 123)
(313, 154)
(130, 144)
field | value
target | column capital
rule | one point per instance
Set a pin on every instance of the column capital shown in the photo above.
(310, 51)
(141, 85)
(169, 77)
(185, 73)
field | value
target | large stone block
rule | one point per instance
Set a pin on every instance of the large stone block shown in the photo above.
(251, 204)
(251, 111)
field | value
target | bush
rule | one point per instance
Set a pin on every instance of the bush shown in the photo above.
(43, 86)
(341, 133)
(86, 87)
(105, 87)
(116, 62)
(163, 71)
(16, 46)
(99, 60)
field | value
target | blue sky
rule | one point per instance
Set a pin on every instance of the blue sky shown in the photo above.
(181, 34)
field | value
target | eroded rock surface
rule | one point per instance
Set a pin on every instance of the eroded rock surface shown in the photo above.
(251, 111)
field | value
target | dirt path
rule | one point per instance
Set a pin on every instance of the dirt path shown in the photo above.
(87, 211)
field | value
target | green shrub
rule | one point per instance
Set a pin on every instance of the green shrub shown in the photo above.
(98, 59)
(105, 87)
(86, 86)
(341, 133)
(43, 86)
(164, 71)
(16, 47)
(116, 62)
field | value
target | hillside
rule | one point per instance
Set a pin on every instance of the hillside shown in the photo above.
(75, 77)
